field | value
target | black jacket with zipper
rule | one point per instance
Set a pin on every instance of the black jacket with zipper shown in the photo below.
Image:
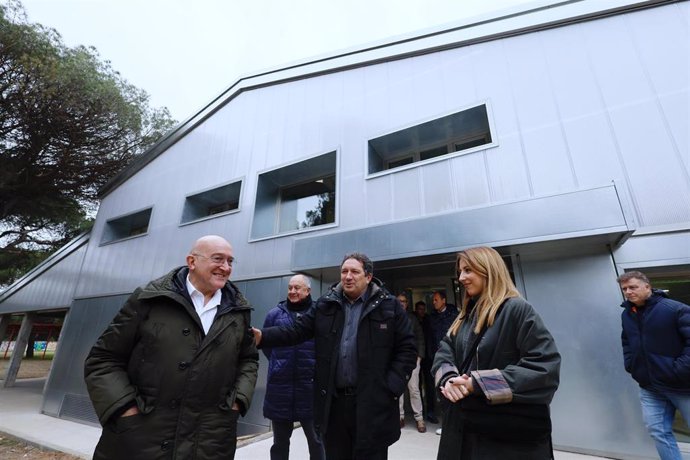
(386, 355)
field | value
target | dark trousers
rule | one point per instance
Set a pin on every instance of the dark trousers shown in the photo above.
(282, 431)
(429, 387)
(341, 434)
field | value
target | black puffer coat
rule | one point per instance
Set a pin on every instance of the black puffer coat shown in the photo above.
(184, 382)
(386, 355)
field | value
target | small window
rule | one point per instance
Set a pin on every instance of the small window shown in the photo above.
(296, 197)
(219, 200)
(307, 205)
(437, 138)
(126, 226)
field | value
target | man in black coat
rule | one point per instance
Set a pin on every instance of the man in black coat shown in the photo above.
(177, 366)
(365, 352)
(437, 325)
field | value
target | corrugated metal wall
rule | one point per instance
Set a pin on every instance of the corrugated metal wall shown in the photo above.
(573, 107)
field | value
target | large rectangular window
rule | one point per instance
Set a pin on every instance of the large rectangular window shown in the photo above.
(308, 204)
(128, 226)
(214, 202)
(296, 197)
(446, 136)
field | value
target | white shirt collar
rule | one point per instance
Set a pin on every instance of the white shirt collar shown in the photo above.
(206, 312)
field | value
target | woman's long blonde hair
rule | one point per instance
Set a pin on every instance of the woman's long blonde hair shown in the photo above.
(488, 264)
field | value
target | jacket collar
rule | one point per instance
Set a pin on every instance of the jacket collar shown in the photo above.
(175, 282)
(377, 290)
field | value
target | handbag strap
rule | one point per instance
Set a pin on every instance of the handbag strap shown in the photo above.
(465, 366)
(468, 359)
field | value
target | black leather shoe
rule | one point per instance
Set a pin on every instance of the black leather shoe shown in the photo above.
(431, 419)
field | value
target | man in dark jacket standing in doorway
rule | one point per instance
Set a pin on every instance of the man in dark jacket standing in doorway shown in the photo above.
(365, 352)
(177, 366)
(656, 352)
(290, 382)
(438, 323)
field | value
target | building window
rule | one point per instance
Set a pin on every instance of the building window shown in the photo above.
(296, 197)
(131, 225)
(211, 203)
(446, 136)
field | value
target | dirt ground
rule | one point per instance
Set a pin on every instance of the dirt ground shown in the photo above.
(13, 449)
(29, 368)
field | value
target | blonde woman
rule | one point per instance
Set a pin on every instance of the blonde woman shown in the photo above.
(498, 404)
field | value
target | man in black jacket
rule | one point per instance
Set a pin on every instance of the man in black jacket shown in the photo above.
(177, 366)
(438, 323)
(656, 352)
(365, 352)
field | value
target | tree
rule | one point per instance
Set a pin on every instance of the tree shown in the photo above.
(68, 123)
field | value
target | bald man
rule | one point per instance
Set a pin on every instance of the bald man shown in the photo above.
(177, 366)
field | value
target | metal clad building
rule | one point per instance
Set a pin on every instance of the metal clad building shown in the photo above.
(557, 133)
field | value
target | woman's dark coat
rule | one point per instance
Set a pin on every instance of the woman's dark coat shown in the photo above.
(290, 381)
(155, 354)
(522, 349)
(386, 355)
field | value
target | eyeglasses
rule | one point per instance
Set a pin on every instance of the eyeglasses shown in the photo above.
(218, 260)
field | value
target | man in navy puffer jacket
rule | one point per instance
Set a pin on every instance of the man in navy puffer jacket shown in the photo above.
(656, 352)
(290, 388)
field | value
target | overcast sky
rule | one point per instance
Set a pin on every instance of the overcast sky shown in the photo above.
(185, 53)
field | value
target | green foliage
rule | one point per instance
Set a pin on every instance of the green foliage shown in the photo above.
(68, 123)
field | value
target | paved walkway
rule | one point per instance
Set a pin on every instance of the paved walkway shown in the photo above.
(20, 417)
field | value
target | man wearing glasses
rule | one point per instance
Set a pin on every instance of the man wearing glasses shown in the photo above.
(177, 366)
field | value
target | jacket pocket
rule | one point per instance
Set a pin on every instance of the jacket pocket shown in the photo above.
(381, 330)
(124, 424)
(663, 370)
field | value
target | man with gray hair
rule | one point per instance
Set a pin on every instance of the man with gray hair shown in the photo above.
(365, 352)
(290, 382)
(656, 352)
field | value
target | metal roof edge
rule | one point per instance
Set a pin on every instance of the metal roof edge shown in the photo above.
(44, 266)
(431, 40)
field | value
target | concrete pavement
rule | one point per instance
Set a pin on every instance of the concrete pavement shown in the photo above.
(20, 418)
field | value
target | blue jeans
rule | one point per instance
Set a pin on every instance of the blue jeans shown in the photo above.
(658, 411)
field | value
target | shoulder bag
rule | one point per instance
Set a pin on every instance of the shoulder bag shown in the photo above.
(511, 422)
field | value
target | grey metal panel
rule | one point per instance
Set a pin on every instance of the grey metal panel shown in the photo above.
(670, 82)
(49, 286)
(637, 122)
(438, 183)
(654, 250)
(587, 212)
(578, 298)
(86, 320)
(471, 179)
(509, 177)
(376, 208)
(537, 114)
(406, 201)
